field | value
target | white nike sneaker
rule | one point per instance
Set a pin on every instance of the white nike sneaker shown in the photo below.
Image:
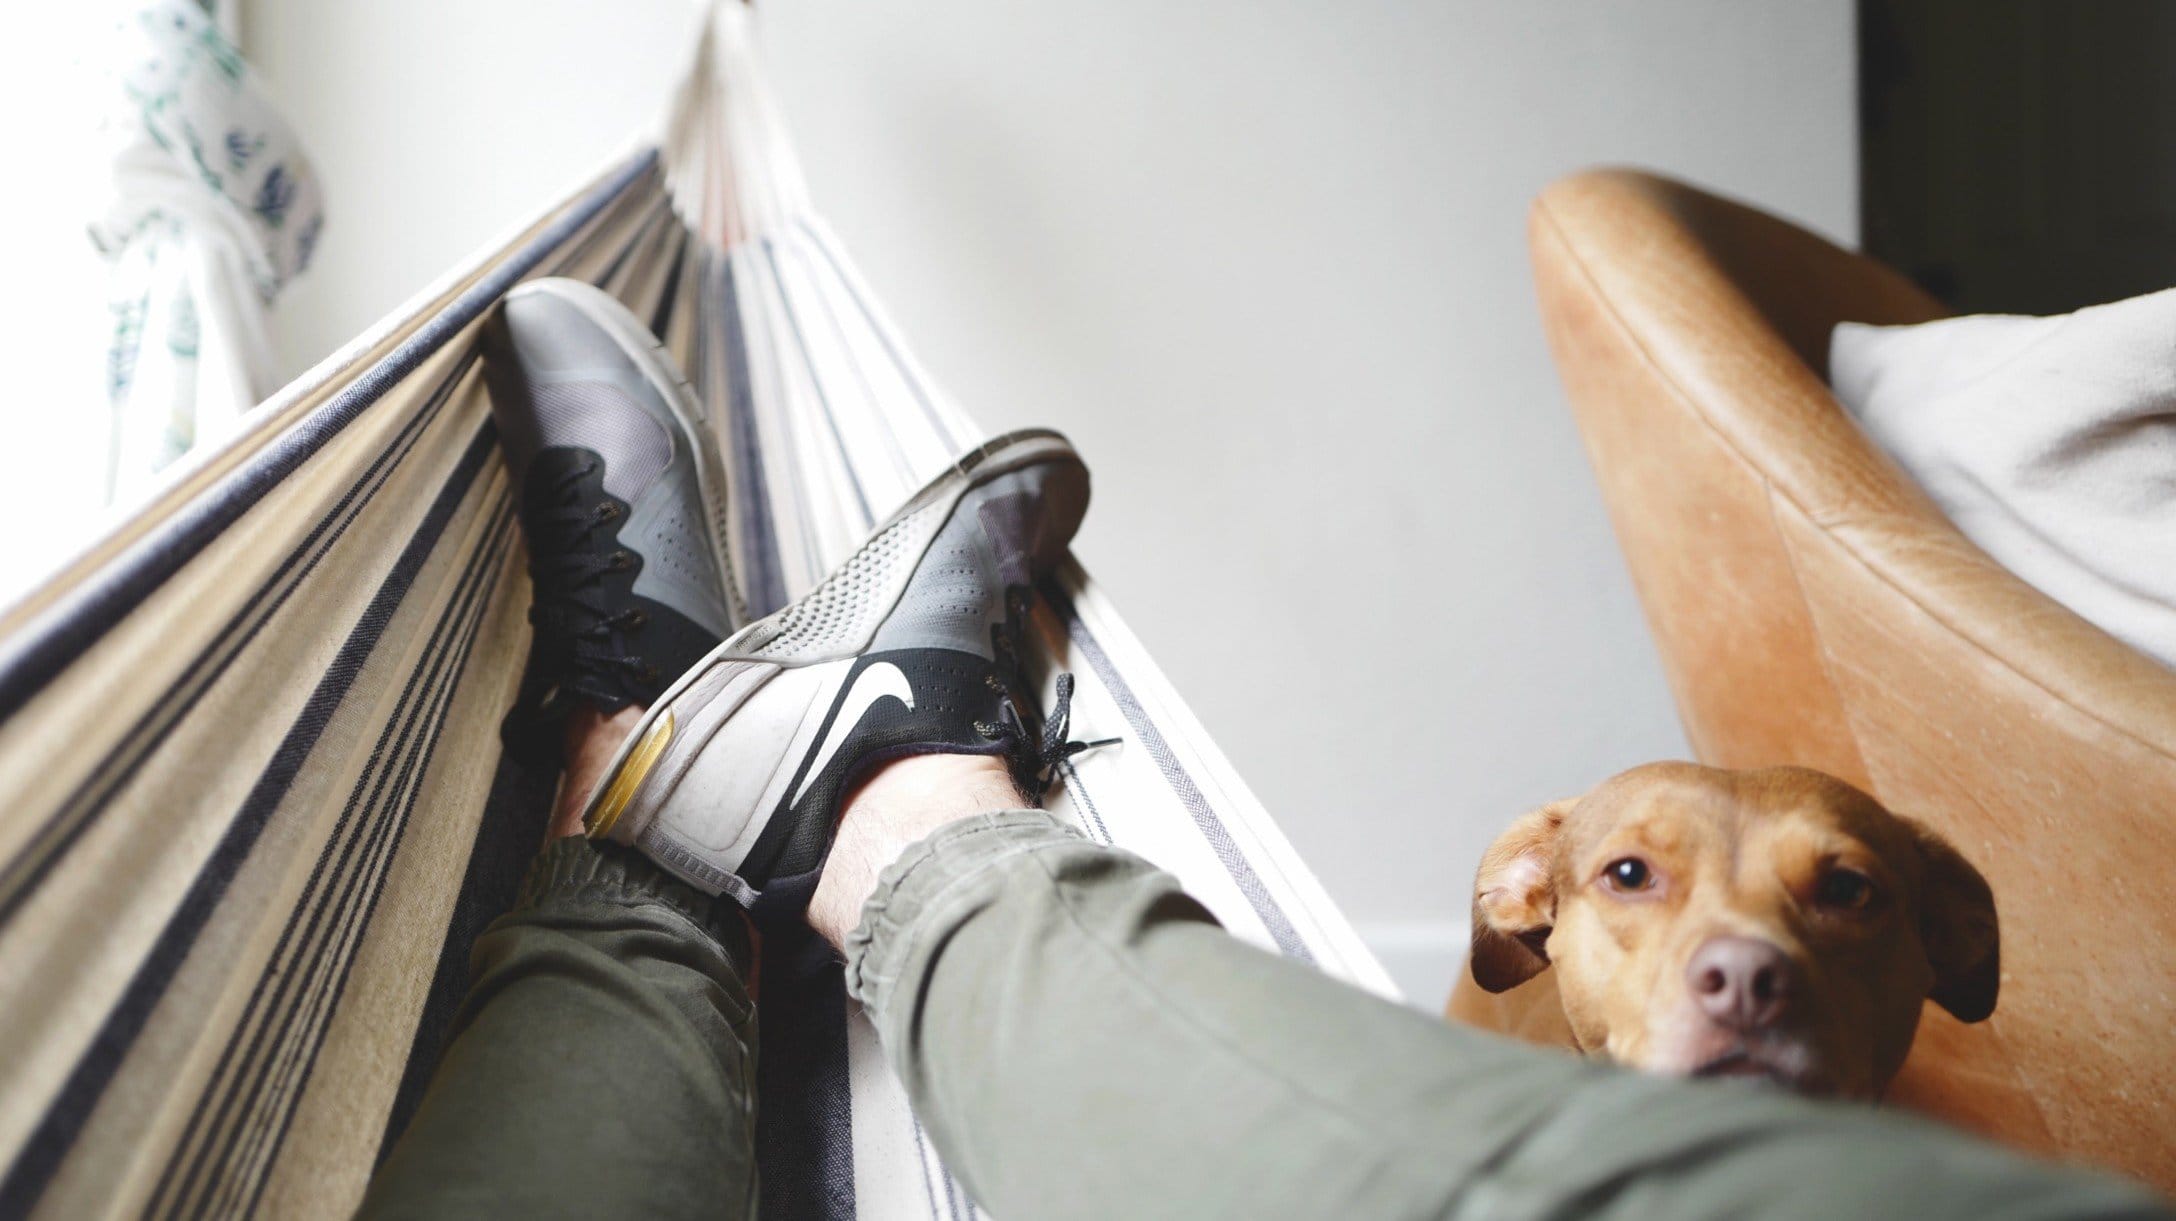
(733, 778)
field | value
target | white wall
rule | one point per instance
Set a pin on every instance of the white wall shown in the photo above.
(1263, 260)
(54, 317)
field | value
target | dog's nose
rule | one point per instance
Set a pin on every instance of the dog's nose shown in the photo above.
(1741, 982)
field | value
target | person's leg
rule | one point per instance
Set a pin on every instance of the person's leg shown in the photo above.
(603, 1063)
(1082, 1040)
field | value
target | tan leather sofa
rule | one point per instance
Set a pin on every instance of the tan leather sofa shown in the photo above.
(1812, 607)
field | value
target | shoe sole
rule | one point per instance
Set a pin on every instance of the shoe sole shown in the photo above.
(999, 456)
(661, 370)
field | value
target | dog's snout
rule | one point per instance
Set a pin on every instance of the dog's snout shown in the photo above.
(1741, 982)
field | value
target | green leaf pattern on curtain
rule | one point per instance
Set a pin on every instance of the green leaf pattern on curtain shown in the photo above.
(210, 209)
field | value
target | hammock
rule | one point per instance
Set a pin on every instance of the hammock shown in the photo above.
(257, 809)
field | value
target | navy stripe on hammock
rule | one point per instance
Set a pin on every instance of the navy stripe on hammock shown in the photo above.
(766, 590)
(42, 1153)
(20, 876)
(303, 978)
(270, 1139)
(661, 318)
(656, 213)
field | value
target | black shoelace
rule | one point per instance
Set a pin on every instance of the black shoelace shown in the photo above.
(1036, 753)
(568, 566)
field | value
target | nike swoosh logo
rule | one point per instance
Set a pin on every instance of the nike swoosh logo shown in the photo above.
(878, 681)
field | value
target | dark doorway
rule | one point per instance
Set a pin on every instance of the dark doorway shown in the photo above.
(2019, 156)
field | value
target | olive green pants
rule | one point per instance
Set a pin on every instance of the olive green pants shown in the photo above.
(1082, 1040)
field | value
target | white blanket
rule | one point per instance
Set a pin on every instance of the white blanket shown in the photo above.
(2050, 442)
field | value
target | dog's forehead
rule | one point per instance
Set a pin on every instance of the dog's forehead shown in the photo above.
(1819, 802)
(1661, 797)
(1685, 804)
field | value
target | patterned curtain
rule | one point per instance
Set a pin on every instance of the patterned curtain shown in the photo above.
(210, 208)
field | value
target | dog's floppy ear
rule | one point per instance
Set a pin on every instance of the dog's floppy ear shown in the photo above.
(1514, 899)
(1957, 924)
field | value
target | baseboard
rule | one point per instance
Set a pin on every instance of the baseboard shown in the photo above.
(1423, 956)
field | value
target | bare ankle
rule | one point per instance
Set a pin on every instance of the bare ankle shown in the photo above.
(592, 738)
(901, 803)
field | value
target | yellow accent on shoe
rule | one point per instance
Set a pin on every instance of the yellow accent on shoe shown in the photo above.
(601, 816)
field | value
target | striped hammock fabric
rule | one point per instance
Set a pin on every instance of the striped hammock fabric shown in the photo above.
(257, 809)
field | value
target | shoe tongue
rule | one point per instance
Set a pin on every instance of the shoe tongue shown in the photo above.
(557, 618)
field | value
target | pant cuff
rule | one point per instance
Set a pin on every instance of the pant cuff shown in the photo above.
(576, 872)
(915, 892)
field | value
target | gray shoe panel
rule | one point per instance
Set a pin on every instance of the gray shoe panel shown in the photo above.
(994, 538)
(954, 597)
(570, 383)
(665, 528)
(581, 389)
(556, 336)
(934, 576)
(596, 414)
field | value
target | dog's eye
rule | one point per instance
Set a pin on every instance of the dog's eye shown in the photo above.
(1844, 888)
(1631, 873)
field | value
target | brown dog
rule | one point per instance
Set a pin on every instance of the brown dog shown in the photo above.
(1777, 923)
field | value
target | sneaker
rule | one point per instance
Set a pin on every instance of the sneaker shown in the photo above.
(622, 504)
(733, 779)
